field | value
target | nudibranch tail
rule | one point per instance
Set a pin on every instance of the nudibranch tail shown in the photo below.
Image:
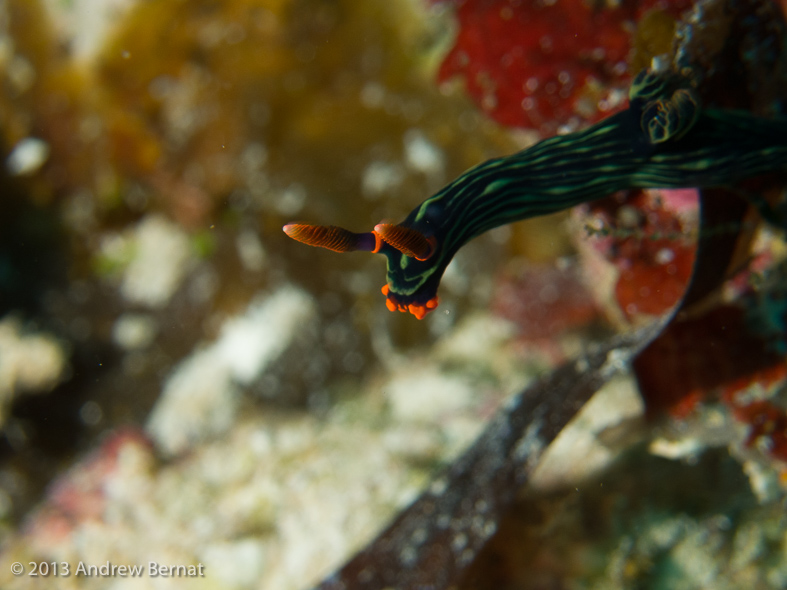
(409, 242)
(417, 309)
(332, 237)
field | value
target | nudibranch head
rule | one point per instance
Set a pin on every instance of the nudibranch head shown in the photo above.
(414, 271)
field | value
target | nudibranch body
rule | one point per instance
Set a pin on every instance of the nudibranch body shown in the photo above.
(663, 140)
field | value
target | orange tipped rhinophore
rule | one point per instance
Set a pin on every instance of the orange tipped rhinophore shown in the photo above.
(409, 242)
(331, 237)
(417, 309)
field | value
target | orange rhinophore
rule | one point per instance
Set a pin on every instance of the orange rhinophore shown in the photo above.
(331, 237)
(409, 242)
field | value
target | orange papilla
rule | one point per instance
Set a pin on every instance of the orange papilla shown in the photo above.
(418, 310)
(409, 242)
(331, 237)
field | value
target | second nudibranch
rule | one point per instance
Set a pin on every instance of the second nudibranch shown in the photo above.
(664, 139)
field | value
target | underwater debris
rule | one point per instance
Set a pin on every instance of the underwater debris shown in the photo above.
(27, 156)
(201, 397)
(434, 541)
(159, 259)
(134, 331)
(30, 362)
(295, 490)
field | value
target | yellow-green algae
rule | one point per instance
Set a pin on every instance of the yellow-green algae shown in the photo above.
(188, 84)
(654, 36)
(213, 112)
(208, 78)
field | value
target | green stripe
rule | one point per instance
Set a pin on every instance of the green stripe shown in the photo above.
(721, 148)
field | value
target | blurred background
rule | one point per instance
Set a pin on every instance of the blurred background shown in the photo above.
(181, 383)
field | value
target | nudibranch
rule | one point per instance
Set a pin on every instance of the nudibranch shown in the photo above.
(664, 139)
